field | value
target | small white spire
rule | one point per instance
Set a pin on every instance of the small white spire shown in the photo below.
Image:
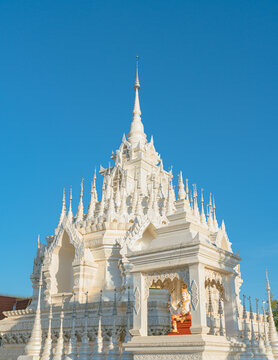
(64, 209)
(85, 348)
(136, 133)
(203, 215)
(59, 351)
(260, 339)
(126, 355)
(187, 193)
(245, 326)
(170, 204)
(195, 203)
(114, 351)
(215, 223)
(98, 347)
(80, 210)
(33, 347)
(181, 191)
(93, 200)
(72, 346)
(191, 200)
(209, 214)
(266, 338)
(102, 203)
(253, 340)
(273, 337)
(47, 350)
(70, 214)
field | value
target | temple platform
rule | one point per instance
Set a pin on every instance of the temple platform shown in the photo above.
(184, 347)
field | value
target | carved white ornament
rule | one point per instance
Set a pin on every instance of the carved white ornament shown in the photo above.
(137, 300)
(180, 274)
(194, 293)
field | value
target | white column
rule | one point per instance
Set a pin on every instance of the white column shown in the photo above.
(198, 315)
(230, 307)
(140, 309)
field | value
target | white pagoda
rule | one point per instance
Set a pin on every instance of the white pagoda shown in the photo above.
(106, 282)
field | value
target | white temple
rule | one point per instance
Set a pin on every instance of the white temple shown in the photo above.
(110, 280)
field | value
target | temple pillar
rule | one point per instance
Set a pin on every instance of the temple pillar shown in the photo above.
(140, 310)
(198, 299)
(230, 307)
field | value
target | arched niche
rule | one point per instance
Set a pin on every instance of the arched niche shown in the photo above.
(61, 266)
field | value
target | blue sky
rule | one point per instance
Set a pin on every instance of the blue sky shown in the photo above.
(209, 86)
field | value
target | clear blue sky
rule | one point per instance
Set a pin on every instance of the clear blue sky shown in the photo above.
(209, 86)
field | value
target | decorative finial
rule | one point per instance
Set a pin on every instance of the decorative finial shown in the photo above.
(181, 191)
(80, 210)
(136, 83)
(136, 134)
(70, 214)
(64, 209)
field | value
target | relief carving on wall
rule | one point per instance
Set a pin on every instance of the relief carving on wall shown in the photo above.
(180, 274)
(194, 295)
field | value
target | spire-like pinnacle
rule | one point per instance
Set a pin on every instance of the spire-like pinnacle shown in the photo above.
(136, 133)
(33, 346)
(59, 351)
(273, 337)
(203, 216)
(70, 214)
(195, 202)
(215, 223)
(136, 83)
(94, 199)
(47, 349)
(181, 191)
(72, 347)
(64, 209)
(80, 210)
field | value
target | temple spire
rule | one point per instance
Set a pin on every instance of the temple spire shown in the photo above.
(72, 346)
(93, 201)
(98, 347)
(80, 210)
(47, 350)
(273, 337)
(85, 347)
(181, 192)
(203, 216)
(59, 351)
(33, 347)
(70, 214)
(64, 209)
(114, 351)
(136, 133)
